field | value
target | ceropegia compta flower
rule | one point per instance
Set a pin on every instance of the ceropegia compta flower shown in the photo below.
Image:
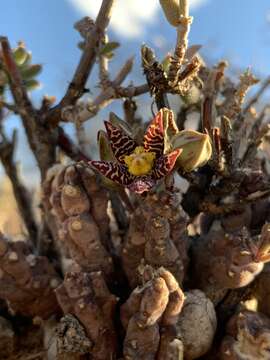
(139, 167)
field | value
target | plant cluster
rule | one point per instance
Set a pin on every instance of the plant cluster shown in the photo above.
(122, 262)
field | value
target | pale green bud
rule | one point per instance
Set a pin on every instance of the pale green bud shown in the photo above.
(196, 146)
(20, 54)
(148, 56)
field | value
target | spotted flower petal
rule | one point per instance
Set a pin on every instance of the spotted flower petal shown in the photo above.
(113, 171)
(154, 136)
(142, 184)
(165, 164)
(121, 143)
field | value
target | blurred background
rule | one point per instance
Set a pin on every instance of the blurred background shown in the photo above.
(236, 30)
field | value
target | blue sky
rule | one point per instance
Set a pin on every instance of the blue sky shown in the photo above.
(238, 30)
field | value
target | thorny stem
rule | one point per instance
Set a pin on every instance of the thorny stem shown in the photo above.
(226, 142)
(210, 92)
(161, 100)
(129, 108)
(254, 143)
(9, 107)
(103, 62)
(257, 96)
(39, 139)
(87, 61)
(69, 148)
(130, 91)
(181, 42)
(82, 138)
(84, 112)
(207, 107)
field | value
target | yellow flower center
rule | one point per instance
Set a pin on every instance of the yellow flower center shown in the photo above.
(140, 162)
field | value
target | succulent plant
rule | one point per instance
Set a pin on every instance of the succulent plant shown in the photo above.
(248, 337)
(28, 71)
(161, 249)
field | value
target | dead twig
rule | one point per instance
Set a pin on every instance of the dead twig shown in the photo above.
(181, 43)
(82, 112)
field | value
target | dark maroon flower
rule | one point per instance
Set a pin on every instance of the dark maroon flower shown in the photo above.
(138, 167)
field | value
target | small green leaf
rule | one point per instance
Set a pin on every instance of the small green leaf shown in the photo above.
(109, 47)
(31, 84)
(109, 56)
(30, 71)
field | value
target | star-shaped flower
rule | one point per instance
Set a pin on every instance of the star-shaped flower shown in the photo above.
(138, 167)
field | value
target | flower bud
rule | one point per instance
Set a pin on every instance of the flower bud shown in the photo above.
(148, 56)
(20, 54)
(196, 146)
